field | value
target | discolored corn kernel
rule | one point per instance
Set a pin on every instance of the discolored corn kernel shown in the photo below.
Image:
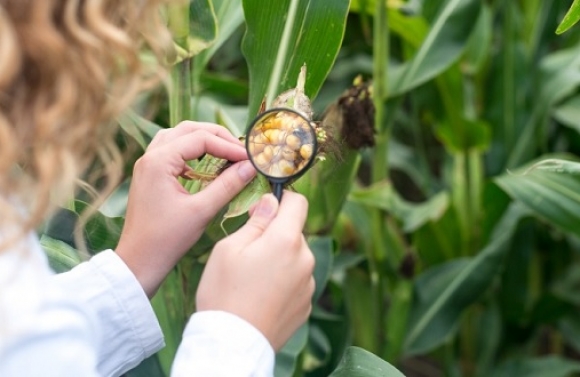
(261, 160)
(306, 151)
(271, 136)
(293, 141)
(288, 153)
(268, 151)
(287, 168)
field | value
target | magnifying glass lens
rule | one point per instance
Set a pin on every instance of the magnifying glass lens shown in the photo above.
(281, 143)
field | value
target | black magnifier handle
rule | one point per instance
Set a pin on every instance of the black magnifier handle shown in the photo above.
(277, 188)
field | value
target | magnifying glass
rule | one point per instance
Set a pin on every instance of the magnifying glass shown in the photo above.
(281, 143)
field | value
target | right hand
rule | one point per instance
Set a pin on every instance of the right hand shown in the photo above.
(263, 272)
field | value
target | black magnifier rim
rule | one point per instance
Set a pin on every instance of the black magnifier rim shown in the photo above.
(314, 144)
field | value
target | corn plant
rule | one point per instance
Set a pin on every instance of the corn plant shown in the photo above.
(445, 214)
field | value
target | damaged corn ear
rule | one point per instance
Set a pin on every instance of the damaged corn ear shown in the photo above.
(281, 143)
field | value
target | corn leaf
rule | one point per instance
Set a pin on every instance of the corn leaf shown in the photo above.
(441, 47)
(550, 366)
(550, 189)
(382, 195)
(286, 358)
(193, 26)
(61, 256)
(316, 37)
(357, 362)
(571, 18)
(444, 291)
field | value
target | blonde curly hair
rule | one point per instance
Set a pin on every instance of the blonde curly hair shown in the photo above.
(67, 69)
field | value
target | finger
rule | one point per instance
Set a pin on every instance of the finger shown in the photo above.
(166, 135)
(224, 188)
(291, 215)
(261, 218)
(193, 145)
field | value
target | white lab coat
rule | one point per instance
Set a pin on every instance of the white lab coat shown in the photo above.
(96, 321)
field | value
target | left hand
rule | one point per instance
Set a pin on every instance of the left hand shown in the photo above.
(164, 220)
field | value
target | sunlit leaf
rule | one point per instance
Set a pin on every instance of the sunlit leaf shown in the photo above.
(251, 194)
(265, 23)
(571, 18)
(553, 196)
(357, 362)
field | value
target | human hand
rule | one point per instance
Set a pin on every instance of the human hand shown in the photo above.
(164, 220)
(263, 272)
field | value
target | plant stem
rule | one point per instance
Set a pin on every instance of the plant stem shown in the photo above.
(180, 93)
(509, 91)
(460, 196)
(476, 178)
(377, 249)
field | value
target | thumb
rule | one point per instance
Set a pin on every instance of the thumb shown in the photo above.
(224, 188)
(260, 217)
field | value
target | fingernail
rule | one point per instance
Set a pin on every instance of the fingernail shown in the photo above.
(266, 207)
(246, 171)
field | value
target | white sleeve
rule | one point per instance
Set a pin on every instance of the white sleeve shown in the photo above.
(218, 343)
(95, 320)
(129, 330)
(42, 331)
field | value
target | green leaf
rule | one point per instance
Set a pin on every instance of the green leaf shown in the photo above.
(141, 129)
(315, 40)
(568, 113)
(432, 240)
(168, 305)
(101, 232)
(570, 18)
(570, 329)
(443, 292)
(287, 357)
(248, 196)
(559, 78)
(552, 196)
(326, 186)
(489, 334)
(318, 349)
(358, 297)
(61, 256)
(229, 16)
(150, 367)
(323, 250)
(550, 366)
(472, 135)
(357, 362)
(234, 118)
(382, 195)
(202, 26)
(442, 46)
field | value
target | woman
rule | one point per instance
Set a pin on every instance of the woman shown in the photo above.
(67, 68)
